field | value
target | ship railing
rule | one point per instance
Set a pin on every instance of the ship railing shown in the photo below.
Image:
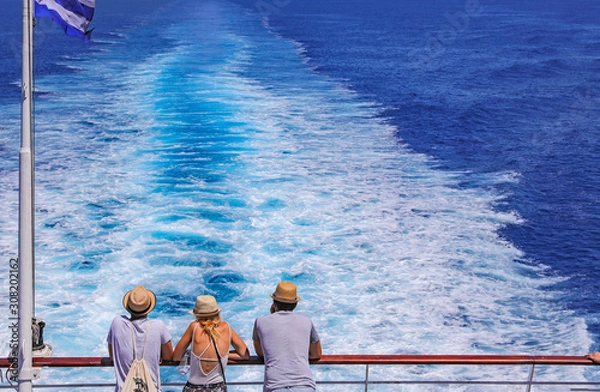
(369, 379)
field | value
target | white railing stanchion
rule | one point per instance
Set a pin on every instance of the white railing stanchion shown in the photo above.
(367, 378)
(530, 381)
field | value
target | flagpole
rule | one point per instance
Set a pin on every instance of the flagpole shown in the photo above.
(26, 206)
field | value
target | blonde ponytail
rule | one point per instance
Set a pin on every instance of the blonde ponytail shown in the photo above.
(210, 325)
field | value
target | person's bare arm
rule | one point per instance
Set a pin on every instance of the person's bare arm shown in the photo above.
(241, 350)
(110, 351)
(258, 349)
(183, 343)
(595, 357)
(166, 351)
(315, 351)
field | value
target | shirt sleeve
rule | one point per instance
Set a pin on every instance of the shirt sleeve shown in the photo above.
(165, 336)
(314, 336)
(255, 336)
(109, 338)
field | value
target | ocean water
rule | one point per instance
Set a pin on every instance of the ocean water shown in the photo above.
(426, 173)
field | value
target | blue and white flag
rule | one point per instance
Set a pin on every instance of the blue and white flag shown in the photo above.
(73, 15)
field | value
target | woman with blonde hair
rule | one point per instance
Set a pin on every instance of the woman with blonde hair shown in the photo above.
(211, 339)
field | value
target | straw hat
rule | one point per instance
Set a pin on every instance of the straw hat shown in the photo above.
(206, 305)
(286, 293)
(139, 301)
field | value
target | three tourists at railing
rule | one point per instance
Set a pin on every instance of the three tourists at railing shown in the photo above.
(287, 342)
(139, 337)
(210, 338)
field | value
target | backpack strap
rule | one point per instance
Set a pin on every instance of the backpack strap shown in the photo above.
(133, 339)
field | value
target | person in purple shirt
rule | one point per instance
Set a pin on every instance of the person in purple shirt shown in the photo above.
(287, 342)
(138, 335)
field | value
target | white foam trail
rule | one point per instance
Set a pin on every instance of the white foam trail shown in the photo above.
(391, 255)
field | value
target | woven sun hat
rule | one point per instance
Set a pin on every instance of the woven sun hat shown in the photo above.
(139, 301)
(286, 293)
(206, 305)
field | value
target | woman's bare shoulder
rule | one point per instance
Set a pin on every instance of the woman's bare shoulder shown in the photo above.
(223, 325)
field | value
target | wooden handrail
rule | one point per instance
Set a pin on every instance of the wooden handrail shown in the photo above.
(347, 360)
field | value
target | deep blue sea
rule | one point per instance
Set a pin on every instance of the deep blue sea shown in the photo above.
(427, 172)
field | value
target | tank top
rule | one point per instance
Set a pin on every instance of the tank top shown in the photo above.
(197, 375)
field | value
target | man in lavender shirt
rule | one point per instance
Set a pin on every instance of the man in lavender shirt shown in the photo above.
(138, 335)
(288, 342)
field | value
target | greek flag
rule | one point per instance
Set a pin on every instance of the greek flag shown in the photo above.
(73, 15)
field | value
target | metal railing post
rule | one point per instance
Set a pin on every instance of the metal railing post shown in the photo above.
(367, 378)
(530, 381)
